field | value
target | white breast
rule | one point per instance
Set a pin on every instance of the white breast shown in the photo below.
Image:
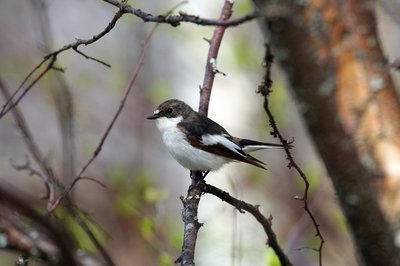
(188, 156)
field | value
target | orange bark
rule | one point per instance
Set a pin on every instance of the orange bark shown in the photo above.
(331, 52)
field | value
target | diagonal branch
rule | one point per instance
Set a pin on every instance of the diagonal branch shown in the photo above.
(253, 210)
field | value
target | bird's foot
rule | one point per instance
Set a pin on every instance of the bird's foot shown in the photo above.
(198, 181)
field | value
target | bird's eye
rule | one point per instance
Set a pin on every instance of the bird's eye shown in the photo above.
(169, 111)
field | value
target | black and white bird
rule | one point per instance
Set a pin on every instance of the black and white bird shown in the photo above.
(200, 144)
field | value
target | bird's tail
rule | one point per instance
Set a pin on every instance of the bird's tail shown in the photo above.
(248, 145)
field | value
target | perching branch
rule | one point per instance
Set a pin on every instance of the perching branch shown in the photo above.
(266, 223)
(192, 199)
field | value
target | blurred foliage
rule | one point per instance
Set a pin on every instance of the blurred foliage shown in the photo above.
(6, 260)
(243, 7)
(279, 98)
(134, 193)
(245, 54)
(270, 258)
(313, 173)
(159, 90)
(75, 231)
(137, 199)
(165, 259)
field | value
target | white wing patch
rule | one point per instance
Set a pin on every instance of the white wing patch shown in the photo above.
(210, 140)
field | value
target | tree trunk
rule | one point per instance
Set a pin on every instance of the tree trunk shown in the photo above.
(331, 53)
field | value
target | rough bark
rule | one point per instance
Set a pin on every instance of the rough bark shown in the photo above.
(331, 54)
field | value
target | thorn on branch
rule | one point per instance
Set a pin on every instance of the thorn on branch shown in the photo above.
(59, 69)
(207, 40)
(270, 219)
(91, 58)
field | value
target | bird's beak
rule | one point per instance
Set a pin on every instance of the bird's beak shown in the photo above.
(155, 115)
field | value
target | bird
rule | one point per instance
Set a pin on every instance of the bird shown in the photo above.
(200, 144)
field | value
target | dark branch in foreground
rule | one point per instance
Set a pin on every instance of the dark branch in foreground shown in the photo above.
(265, 90)
(50, 180)
(266, 223)
(49, 244)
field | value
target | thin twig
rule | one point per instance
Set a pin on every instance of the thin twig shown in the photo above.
(11, 103)
(182, 17)
(91, 58)
(265, 90)
(47, 174)
(128, 89)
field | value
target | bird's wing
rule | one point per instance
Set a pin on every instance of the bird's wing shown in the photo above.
(218, 141)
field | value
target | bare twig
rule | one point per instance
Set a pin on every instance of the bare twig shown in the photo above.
(182, 17)
(11, 103)
(135, 73)
(265, 90)
(128, 89)
(91, 58)
(47, 174)
(61, 91)
(254, 210)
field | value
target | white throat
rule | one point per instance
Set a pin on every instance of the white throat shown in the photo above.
(165, 124)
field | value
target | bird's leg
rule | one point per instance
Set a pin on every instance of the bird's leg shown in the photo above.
(197, 180)
(201, 182)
